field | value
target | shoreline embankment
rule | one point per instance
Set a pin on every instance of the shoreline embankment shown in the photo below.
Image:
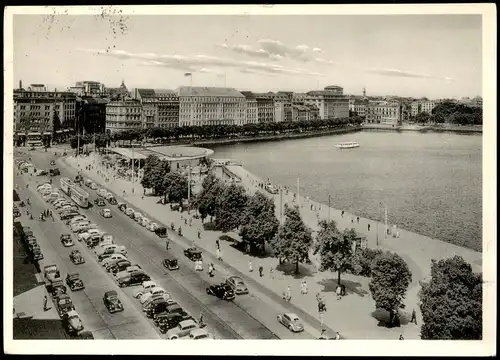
(456, 129)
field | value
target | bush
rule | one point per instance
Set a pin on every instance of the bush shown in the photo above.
(209, 226)
(363, 261)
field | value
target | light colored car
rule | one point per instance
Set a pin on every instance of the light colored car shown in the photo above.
(137, 216)
(93, 186)
(129, 212)
(94, 233)
(57, 201)
(112, 258)
(106, 213)
(146, 287)
(72, 322)
(102, 192)
(237, 284)
(88, 226)
(107, 239)
(200, 334)
(291, 321)
(156, 291)
(77, 219)
(43, 186)
(127, 271)
(101, 249)
(79, 225)
(145, 222)
(83, 236)
(108, 196)
(45, 191)
(61, 204)
(183, 329)
(152, 226)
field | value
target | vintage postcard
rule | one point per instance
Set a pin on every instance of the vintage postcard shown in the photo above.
(281, 174)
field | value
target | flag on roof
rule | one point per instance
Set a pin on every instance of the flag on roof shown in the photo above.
(188, 74)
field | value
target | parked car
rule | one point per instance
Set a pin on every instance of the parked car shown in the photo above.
(181, 330)
(138, 217)
(106, 213)
(112, 302)
(76, 257)
(156, 291)
(166, 321)
(193, 254)
(146, 287)
(99, 202)
(171, 264)
(54, 172)
(74, 282)
(64, 304)
(127, 271)
(237, 284)
(129, 212)
(36, 254)
(122, 207)
(152, 226)
(156, 298)
(76, 219)
(161, 232)
(72, 322)
(68, 215)
(93, 186)
(135, 278)
(222, 291)
(66, 240)
(200, 334)
(291, 321)
(102, 192)
(145, 222)
(115, 266)
(112, 200)
(41, 172)
(156, 307)
(105, 259)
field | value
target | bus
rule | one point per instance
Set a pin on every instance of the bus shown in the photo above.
(80, 196)
(66, 185)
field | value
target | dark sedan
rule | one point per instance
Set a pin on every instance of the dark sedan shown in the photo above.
(222, 291)
(193, 254)
(99, 202)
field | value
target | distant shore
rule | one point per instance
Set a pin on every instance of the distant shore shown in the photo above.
(467, 129)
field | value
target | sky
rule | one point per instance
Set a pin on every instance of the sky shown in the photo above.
(436, 56)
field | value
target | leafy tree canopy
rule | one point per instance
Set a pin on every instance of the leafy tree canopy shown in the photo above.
(230, 204)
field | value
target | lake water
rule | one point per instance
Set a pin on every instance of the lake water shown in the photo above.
(431, 183)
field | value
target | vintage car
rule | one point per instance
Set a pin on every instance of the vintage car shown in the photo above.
(112, 200)
(166, 321)
(107, 258)
(76, 257)
(193, 254)
(74, 282)
(181, 330)
(171, 264)
(105, 213)
(122, 207)
(155, 299)
(200, 334)
(156, 291)
(102, 192)
(145, 222)
(161, 232)
(68, 214)
(237, 284)
(99, 202)
(222, 291)
(152, 226)
(134, 278)
(57, 289)
(146, 287)
(64, 304)
(51, 273)
(42, 172)
(129, 212)
(54, 172)
(72, 322)
(52, 162)
(112, 302)
(117, 265)
(37, 255)
(291, 321)
(93, 186)
(85, 335)
(83, 236)
(110, 251)
(66, 240)
(107, 239)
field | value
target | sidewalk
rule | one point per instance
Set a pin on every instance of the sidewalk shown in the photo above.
(351, 316)
(31, 304)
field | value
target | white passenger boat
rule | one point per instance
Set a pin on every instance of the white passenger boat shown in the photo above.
(347, 145)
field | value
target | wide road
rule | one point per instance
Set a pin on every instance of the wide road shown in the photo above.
(247, 317)
(129, 324)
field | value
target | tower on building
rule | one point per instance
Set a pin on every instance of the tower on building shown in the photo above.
(364, 91)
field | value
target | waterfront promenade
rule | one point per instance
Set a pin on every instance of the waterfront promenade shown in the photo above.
(354, 316)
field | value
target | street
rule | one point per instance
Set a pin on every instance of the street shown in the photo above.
(246, 317)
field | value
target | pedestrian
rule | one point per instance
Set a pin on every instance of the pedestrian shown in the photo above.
(219, 254)
(338, 291)
(288, 293)
(45, 308)
(337, 336)
(271, 273)
(250, 266)
(414, 316)
(352, 219)
(167, 243)
(217, 243)
(368, 227)
(199, 234)
(201, 321)
(261, 270)
(401, 337)
(311, 207)
(303, 286)
(185, 221)
(190, 221)
(342, 213)
(357, 219)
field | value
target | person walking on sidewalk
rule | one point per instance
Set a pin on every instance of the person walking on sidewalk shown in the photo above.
(342, 213)
(338, 291)
(303, 287)
(357, 219)
(271, 273)
(217, 243)
(250, 266)
(261, 271)
(368, 227)
(167, 244)
(219, 254)
(414, 316)
(45, 308)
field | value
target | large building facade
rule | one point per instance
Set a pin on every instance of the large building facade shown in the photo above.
(37, 110)
(384, 113)
(200, 106)
(123, 115)
(331, 102)
(168, 108)
(265, 107)
(251, 109)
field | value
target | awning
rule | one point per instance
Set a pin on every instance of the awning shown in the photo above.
(34, 134)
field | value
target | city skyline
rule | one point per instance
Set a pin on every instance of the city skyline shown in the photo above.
(436, 56)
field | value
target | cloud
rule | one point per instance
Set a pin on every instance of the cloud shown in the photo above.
(318, 50)
(402, 73)
(202, 63)
(276, 47)
(250, 51)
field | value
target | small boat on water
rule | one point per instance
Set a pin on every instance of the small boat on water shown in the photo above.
(347, 145)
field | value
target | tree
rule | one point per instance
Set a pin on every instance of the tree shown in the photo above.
(293, 239)
(155, 171)
(206, 200)
(150, 166)
(390, 280)
(335, 248)
(451, 302)
(176, 186)
(56, 122)
(422, 117)
(258, 223)
(230, 204)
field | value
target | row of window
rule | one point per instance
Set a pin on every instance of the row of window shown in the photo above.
(211, 99)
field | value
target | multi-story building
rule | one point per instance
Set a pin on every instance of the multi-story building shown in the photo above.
(414, 108)
(91, 113)
(265, 107)
(200, 106)
(313, 112)
(427, 106)
(168, 108)
(147, 98)
(283, 101)
(36, 110)
(119, 93)
(331, 102)
(386, 113)
(87, 88)
(301, 113)
(123, 115)
(251, 109)
(359, 107)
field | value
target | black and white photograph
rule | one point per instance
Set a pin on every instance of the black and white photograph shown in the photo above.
(230, 172)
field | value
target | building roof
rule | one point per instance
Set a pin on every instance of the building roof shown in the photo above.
(336, 87)
(165, 93)
(301, 107)
(146, 93)
(360, 102)
(209, 91)
(248, 94)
